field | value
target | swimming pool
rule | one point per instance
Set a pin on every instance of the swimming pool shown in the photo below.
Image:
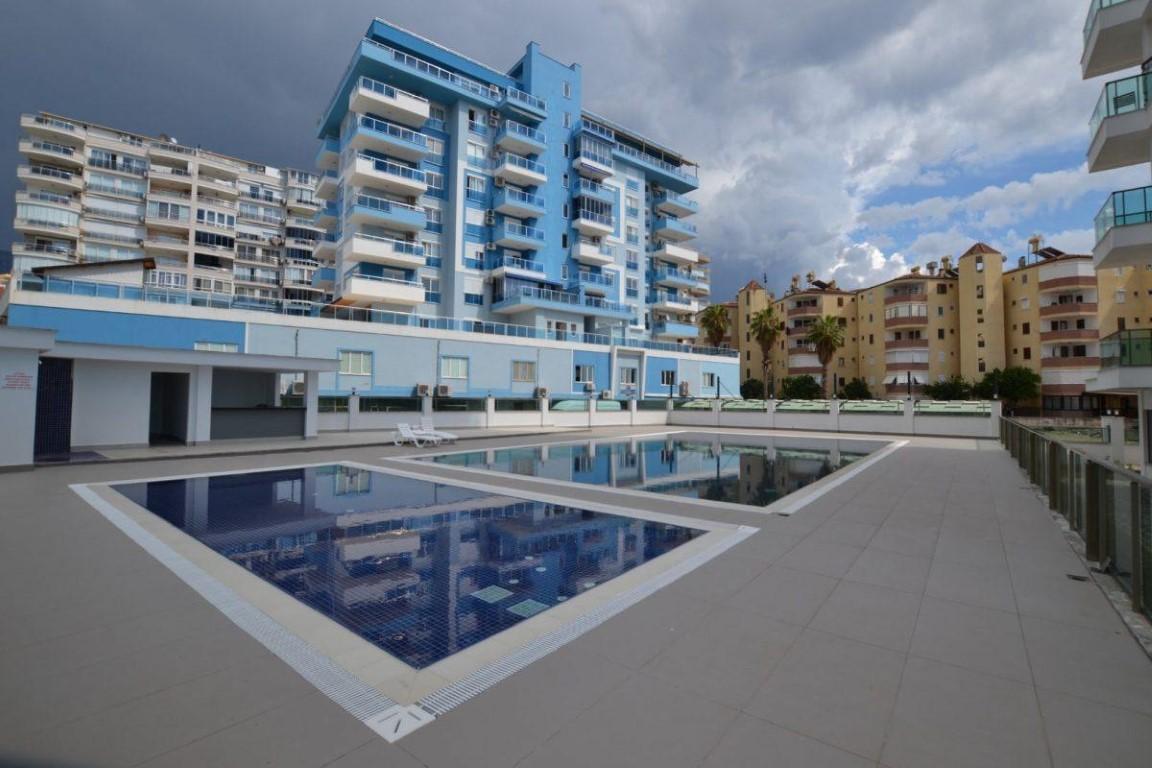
(420, 569)
(749, 470)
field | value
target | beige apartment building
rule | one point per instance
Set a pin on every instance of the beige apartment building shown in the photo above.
(1047, 311)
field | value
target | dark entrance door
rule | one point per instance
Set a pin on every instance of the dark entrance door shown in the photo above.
(53, 410)
(168, 414)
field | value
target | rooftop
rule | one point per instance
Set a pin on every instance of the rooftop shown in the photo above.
(927, 611)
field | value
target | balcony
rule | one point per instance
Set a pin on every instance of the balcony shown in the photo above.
(217, 185)
(594, 224)
(1121, 125)
(527, 299)
(675, 329)
(377, 211)
(593, 164)
(173, 223)
(675, 278)
(805, 310)
(511, 266)
(593, 253)
(593, 282)
(387, 101)
(157, 241)
(388, 138)
(1085, 281)
(522, 205)
(906, 344)
(1069, 309)
(51, 152)
(374, 249)
(677, 178)
(676, 254)
(373, 289)
(525, 103)
(326, 217)
(671, 302)
(519, 170)
(521, 139)
(45, 250)
(53, 129)
(1071, 334)
(327, 184)
(1112, 36)
(906, 297)
(899, 366)
(328, 156)
(518, 236)
(906, 321)
(1124, 229)
(593, 189)
(1070, 362)
(326, 247)
(50, 178)
(676, 205)
(368, 171)
(46, 228)
(668, 228)
(170, 176)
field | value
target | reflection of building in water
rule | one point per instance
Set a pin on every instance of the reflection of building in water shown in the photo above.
(399, 560)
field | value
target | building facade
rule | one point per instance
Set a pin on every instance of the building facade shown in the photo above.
(1047, 312)
(472, 240)
(457, 190)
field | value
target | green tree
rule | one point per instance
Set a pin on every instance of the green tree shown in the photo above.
(954, 388)
(800, 388)
(856, 389)
(714, 322)
(752, 389)
(827, 335)
(1015, 384)
(765, 329)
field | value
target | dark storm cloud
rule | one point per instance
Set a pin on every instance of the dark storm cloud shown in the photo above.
(799, 112)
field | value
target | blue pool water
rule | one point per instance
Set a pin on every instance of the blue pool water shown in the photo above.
(748, 470)
(420, 569)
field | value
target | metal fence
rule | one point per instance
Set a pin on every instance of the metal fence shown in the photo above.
(1109, 507)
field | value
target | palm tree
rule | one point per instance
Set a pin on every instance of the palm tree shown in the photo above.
(714, 321)
(765, 330)
(827, 335)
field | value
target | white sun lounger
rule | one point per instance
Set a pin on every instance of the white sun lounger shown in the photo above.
(405, 433)
(426, 428)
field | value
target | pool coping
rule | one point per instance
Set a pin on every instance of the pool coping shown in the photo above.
(385, 693)
(786, 506)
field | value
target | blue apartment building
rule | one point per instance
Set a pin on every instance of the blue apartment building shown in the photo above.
(467, 234)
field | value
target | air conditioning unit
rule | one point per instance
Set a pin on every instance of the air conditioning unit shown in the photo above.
(491, 246)
(489, 217)
(541, 392)
(498, 181)
(589, 386)
(298, 388)
(494, 120)
(443, 390)
(493, 114)
(605, 394)
(423, 390)
(685, 389)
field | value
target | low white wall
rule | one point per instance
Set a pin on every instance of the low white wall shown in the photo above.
(18, 372)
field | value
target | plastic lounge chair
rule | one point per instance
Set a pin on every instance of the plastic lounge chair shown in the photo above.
(426, 428)
(406, 434)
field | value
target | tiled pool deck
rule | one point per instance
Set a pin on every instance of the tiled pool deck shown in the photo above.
(920, 614)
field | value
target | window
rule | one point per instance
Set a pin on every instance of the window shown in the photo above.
(215, 346)
(633, 235)
(668, 378)
(1027, 353)
(979, 291)
(435, 146)
(628, 376)
(709, 380)
(979, 263)
(475, 299)
(941, 288)
(1025, 303)
(356, 363)
(585, 374)
(632, 287)
(1120, 297)
(564, 179)
(567, 89)
(524, 371)
(632, 259)
(431, 289)
(434, 180)
(939, 333)
(567, 119)
(475, 185)
(1026, 329)
(454, 368)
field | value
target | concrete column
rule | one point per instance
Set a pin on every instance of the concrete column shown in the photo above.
(1144, 405)
(200, 405)
(994, 421)
(545, 411)
(632, 412)
(311, 404)
(489, 411)
(834, 412)
(426, 406)
(353, 412)
(908, 419)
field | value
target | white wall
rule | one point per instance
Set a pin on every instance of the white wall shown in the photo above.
(110, 403)
(18, 371)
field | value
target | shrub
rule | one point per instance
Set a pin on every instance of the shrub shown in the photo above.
(800, 388)
(752, 389)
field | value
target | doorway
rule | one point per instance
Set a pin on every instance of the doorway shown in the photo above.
(168, 409)
(53, 441)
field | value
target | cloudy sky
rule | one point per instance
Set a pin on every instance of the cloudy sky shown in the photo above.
(849, 137)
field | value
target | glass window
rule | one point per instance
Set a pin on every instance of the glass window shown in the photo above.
(709, 378)
(524, 371)
(475, 299)
(628, 376)
(454, 368)
(667, 378)
(585, 374)
(215, 346)
(356, 363)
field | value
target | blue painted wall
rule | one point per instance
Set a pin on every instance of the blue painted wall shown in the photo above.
(657, 365)
(97, 327)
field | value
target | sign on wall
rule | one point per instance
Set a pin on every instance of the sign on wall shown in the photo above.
(16, 380)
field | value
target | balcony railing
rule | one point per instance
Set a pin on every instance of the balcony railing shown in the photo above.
(681, 171)
(405, 247)
(515, 262)
(387, 90)
(356, 273)
(607, 279)
(519, 162)
(1109, 507)
(1093, 10)
(136, 169)
(526, 198)
(588, 187)
(48, 284)
(380, 204)
(52, 122)
(598, 218)
(56, 149)
(519, 129)
(393, 130)
(1124, 208)
(1120, 97)
(519, 230)
(527, 99)
(439, 73)
(395, 169)
(49, 171)
(681, 200)
(1127, 349)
